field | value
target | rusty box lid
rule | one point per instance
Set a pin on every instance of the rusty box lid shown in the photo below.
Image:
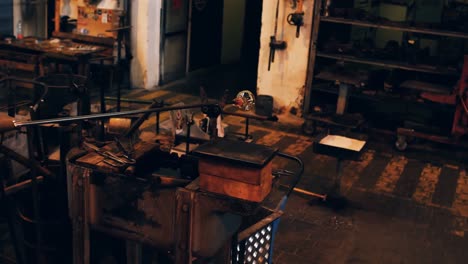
(242, 153)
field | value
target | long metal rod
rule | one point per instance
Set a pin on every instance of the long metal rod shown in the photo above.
(128, 100)
(12, 189)
(105, 115)
(309, 193)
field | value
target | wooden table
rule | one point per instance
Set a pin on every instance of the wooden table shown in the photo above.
(61, 51)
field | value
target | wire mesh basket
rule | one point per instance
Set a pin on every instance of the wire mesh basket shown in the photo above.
(254, 244)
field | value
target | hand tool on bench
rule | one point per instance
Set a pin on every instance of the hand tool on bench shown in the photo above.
(125, 152)
(109, 155)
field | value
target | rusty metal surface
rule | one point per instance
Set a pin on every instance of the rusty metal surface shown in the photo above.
(180, 220)
(236, 151)
(135, 207)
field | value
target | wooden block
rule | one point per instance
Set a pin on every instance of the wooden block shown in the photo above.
(237, 189)
(236, 169)
(234, 172)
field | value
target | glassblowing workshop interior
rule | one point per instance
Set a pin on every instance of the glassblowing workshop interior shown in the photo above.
(233, 131)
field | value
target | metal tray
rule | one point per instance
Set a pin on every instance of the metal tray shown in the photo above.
(339, 152)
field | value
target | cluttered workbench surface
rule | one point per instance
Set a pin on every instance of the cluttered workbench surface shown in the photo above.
(145, 194)
(50, 47)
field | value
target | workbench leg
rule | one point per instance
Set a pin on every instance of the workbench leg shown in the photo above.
(80, 215)
(183, 233)
(134, 252)
(342, 99)
(35, 196)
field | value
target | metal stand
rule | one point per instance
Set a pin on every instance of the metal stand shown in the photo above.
(6, 205)
(35, 195)
(120, 36)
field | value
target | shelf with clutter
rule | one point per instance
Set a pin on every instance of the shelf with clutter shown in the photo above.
(387, 54)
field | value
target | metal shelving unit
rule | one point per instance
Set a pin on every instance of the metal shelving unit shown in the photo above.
(343, 91)
(389, 64)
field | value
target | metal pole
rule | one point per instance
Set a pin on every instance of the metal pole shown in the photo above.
(106, 115)
(35, 197)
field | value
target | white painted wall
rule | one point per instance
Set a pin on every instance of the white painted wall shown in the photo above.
(286, 79)
(145, 37)
(233, 30)
(31, 26)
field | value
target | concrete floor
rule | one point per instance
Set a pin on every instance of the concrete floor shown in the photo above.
(407, 207)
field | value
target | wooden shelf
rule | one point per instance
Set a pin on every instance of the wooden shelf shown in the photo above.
(426, 87)
(351, 78)
(394, 26)
(391, 64)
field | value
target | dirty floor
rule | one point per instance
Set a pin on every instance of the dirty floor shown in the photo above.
(404, 207)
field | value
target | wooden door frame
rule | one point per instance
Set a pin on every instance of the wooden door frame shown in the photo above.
(163, 36)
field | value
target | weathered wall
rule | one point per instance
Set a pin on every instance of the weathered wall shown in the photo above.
(34, 25)
(145, 37)
(286, 79)
(233, 30)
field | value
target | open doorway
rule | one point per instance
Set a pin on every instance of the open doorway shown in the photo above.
(226, 42)
(251, 43)
(206, 31)
(212, 43)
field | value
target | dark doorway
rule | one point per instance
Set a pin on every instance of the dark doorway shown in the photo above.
(206, 33)
(251, 42)
(173, 40)
(50, 18)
